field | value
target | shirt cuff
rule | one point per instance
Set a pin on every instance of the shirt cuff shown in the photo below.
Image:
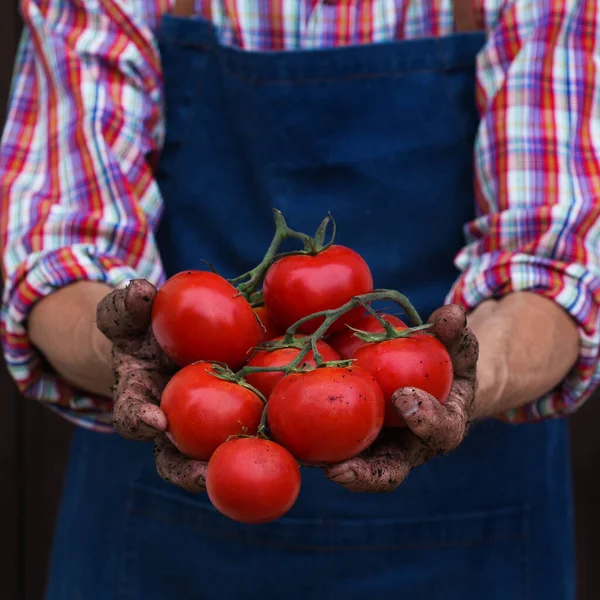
(35, 280)
(570, 285)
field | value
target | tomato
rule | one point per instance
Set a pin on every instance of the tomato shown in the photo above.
(300, 285)
(265, 382)
(269, 329)
(420, 361)
(252, 480)
(198, 315)
(345, 343)
(326, 415)
(203, 411)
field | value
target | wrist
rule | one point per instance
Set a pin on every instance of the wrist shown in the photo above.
(62, 326)
(491, 365)
(527, 345)
(491, 383)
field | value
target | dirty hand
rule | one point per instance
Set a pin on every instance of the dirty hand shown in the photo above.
(432, 429)
(141, 371)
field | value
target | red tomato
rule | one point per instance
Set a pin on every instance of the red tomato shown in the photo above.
(420, 361)
(252, 480)
(326, 415)
(265, 382)
(198, 315)
(203, 411)
(345, 343)
(269, 329)
(300, 285)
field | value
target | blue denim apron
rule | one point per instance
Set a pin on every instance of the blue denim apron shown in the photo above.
(382, 137)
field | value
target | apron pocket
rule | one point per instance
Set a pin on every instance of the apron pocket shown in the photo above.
(177, 547)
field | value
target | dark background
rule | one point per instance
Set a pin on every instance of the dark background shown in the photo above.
(34, 445)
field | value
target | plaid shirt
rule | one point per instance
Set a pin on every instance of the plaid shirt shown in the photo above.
(78, 198)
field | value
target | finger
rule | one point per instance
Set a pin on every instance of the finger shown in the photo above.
(179, 470)
(450, 327)
(441, 427)
(125, 313)
(136, 414)
(382, 468)
(448, 323)
(464, 355)
(142, 352)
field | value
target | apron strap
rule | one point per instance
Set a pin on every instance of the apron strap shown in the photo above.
(465, 16)
(183, 8)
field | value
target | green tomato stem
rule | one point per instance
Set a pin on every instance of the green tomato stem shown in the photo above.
(368, 337)
(310, 342)
(262, 426)
(319, 239)
(248, 283)
(224, 373)
(387, 326)
(330, 316)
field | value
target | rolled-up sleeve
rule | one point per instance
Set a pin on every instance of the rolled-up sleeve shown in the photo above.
(77, 195)
(537, 177)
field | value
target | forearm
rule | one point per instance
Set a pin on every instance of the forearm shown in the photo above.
(63, 327)
(527, 345)
(93, 219)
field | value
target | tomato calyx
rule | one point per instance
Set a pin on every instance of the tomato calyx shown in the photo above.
(221, 371)
(248, 283)
(288, 341)
(389, 331)
(319, 243)
(256, 299)
(344, 363)
(261, 434)
(370, 337)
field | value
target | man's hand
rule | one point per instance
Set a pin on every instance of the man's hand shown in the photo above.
(141, 372)
(433, 428)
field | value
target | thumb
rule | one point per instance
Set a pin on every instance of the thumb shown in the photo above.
(440, 427)
(450, 327)
(125, 313)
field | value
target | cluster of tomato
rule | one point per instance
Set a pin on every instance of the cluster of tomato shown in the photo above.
(262, 390)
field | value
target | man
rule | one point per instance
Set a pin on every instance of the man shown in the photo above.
(364, 108)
